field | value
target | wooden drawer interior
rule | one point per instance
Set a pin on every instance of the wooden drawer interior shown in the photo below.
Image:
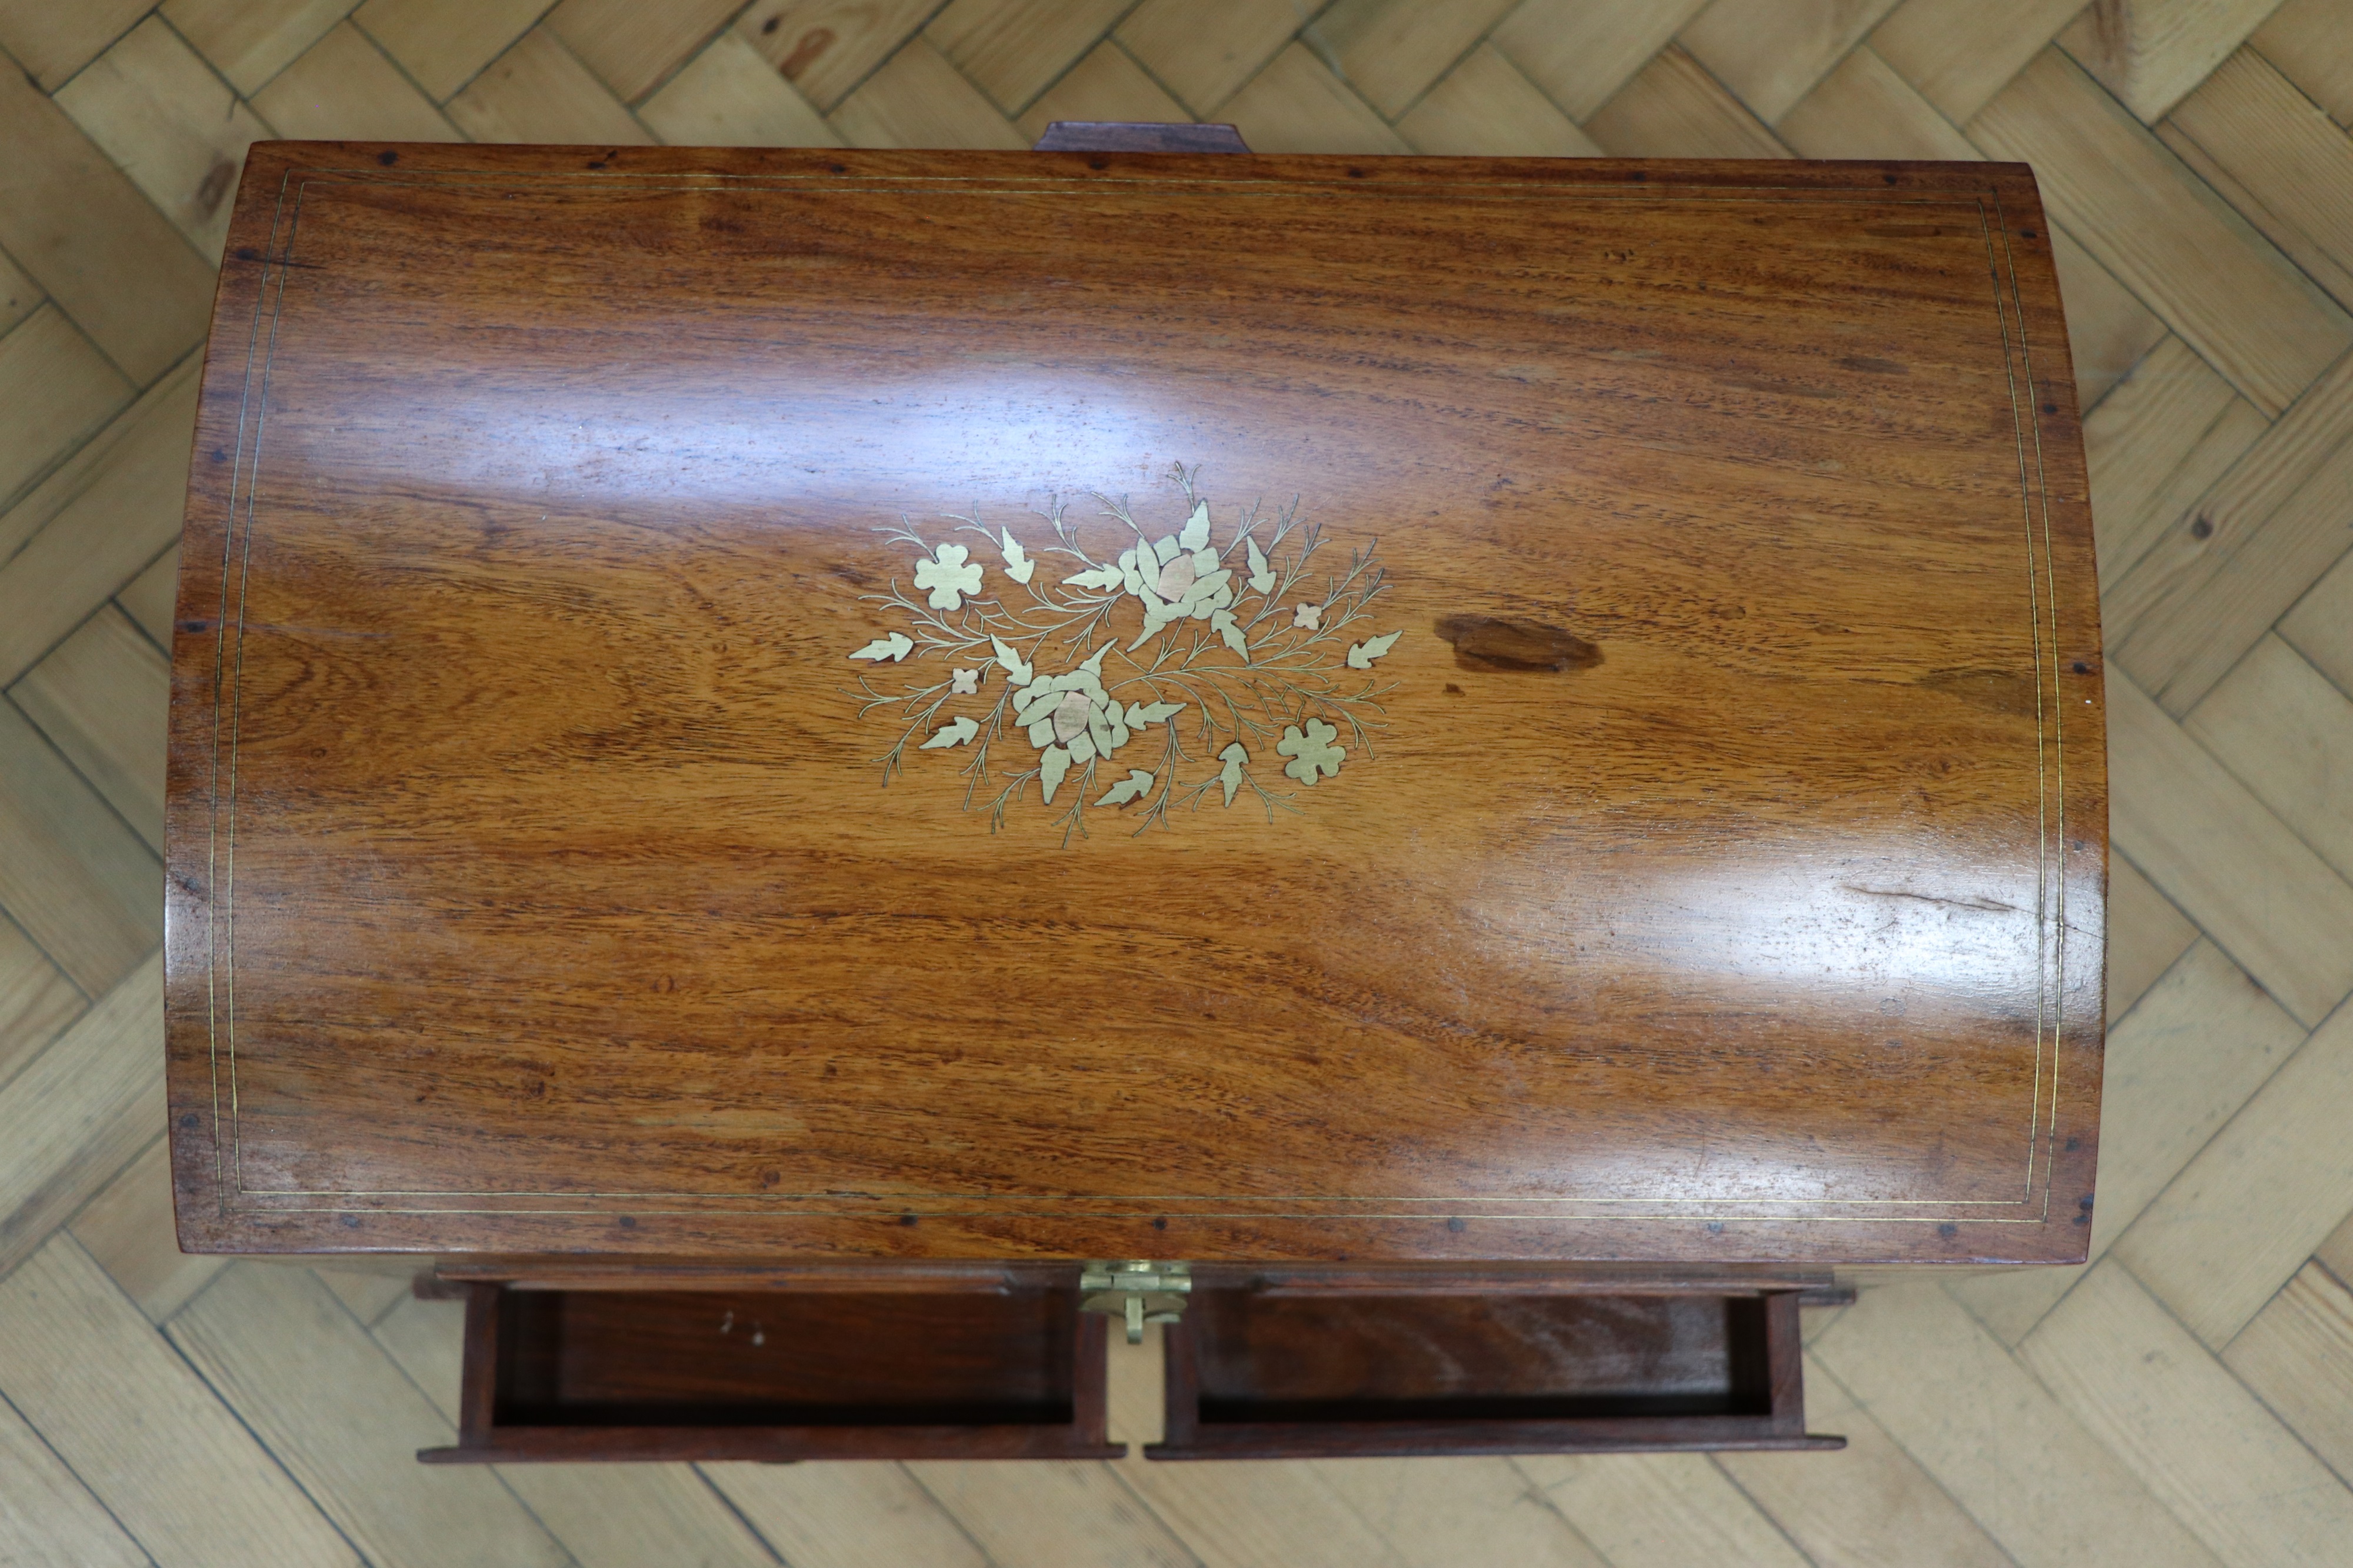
(1284, 1374)
(638, 1375)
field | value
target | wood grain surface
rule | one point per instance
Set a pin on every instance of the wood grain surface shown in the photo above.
(533, 885)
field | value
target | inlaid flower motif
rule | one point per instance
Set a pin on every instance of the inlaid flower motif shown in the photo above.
(947, 576)
(1307, 617)
(964, 682)
(1313, 755)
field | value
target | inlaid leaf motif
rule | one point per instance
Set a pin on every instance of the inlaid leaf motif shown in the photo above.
(894, 647)
(1139, 714)
(1097, 577)
(1231, 775)
(1222, 622)
(1195, 535)
(1134, 786)
(1016, 671)
(1262, 576)
(954, 732)
(1361, 655)
(1052, 764)
(1018, 565)
(947, 576)
(1313, 755)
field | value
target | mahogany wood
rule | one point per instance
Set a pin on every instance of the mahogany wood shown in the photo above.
(779, 1375)
(1251, 1375)
(533, 888)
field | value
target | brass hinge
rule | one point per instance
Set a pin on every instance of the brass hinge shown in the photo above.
(1137, 1290)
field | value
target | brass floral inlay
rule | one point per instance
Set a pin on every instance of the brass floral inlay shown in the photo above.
(1166, 675)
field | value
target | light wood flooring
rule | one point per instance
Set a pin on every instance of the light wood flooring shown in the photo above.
(2186, 1399)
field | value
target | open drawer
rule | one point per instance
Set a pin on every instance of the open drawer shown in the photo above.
(1273, 1374)
(777, 1375)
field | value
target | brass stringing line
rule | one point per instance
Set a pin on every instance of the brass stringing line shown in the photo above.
(1048, 184)
(236, 708)
(2034, 632)
(2058, 721)
(213, 909)
(1236, 1213)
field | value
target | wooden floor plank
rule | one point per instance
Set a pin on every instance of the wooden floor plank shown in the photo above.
(2149, 53)
(51, 42)
(442, 44)
(127, 1230)
(148, 598)
(1014, 49)
(1204, 50)
(1994, 1438)
(2214, 583)
(1106, 85)
(2225, 861)
(19, 295)
(1442, 1513)
(1484, 106)
(2286, 732)
(95, 523)
(1659, 1510)
(72, 873)
(1771, 54)
(827, 48)
(1051, 1515)
(102, 697)
(1243, 1514)
(1959, 53)
(632, 46)
(153, 106)
(2178, 1066)
(1392, 50)
(36, 1000)
(846, 1515)
(2296, 1355)
(2194, 1436)
(47, 1518)
(1868, 1504)
(1297, 105)
(2311, 42)
(1863, 108)
(57, 388)
(1581, 53)
(607, 1516)
(2145, 935)
(728, 96)
(2243, 1216)
(339, 1414)
(919, 100)
(2148, 449)
(2109, 330)
(77, 225)
(2320, 627)
(539, 91)
(344, 88)
(2277, 157)
(1673, 109)
(250, 41)
(168, 1460)
(81, 1112)
(2224, 288)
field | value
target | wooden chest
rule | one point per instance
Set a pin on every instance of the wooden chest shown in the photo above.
(760, 720)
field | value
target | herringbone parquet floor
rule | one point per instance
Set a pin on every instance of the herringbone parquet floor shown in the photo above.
(2188, 1399)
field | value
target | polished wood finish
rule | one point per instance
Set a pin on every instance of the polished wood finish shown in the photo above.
(718, 1374)
(1260, 1376)
(533, 888)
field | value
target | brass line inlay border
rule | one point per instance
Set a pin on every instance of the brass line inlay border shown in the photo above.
(2042, 598)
